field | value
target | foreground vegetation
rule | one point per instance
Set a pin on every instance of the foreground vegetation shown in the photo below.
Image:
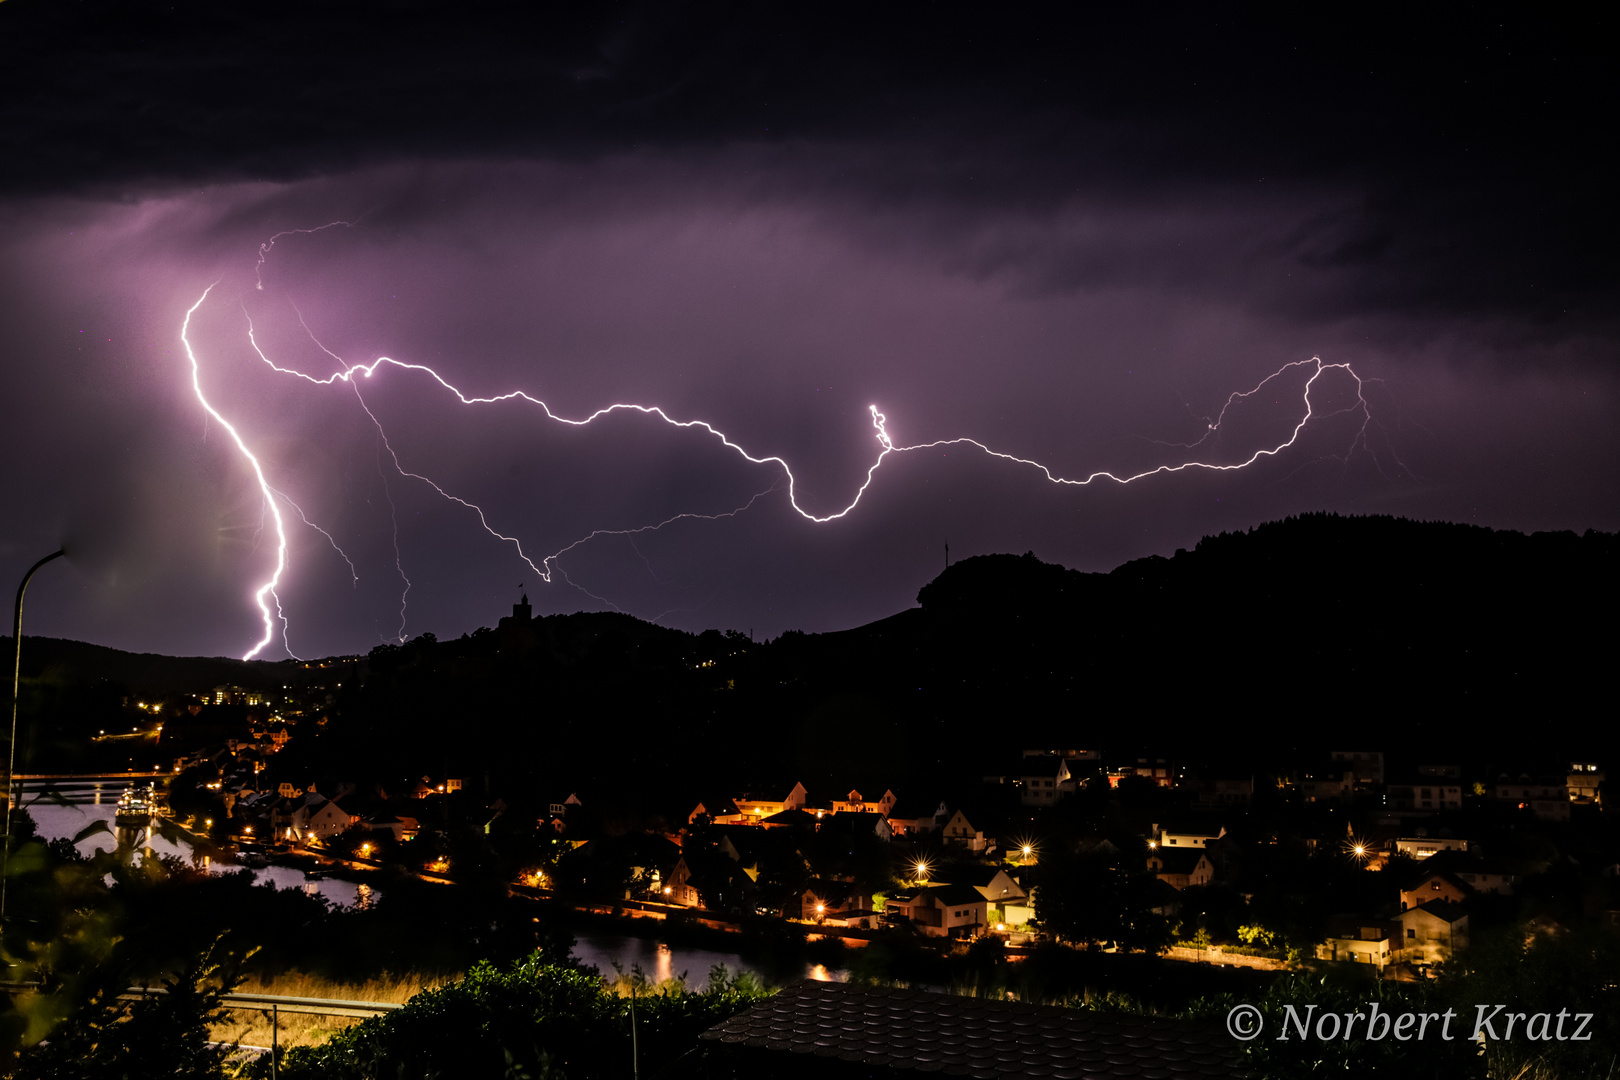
(83, 930)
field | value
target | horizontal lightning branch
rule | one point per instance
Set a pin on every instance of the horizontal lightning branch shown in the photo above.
(354, 374)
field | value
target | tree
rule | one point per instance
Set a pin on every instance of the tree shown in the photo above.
(107, 1037)
(83, 944)
(1096, 899)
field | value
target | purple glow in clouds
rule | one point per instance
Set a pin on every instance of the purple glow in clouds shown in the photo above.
(266, 595)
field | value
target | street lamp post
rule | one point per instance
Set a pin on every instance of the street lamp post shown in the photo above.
(16, 687)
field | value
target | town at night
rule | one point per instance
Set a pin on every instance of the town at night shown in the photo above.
(682, 541)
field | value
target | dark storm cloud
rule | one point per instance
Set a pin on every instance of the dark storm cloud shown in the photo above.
(1070, 239)
(1469, 138)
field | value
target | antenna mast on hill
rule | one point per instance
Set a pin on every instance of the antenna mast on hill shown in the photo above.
(947, 556)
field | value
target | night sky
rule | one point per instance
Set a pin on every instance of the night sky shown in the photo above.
(1068, 236)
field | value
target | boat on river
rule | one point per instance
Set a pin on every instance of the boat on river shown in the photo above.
(136, 807)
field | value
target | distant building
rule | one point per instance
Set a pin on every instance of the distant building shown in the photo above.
(1424, 793)
(1181, 869)
(1368, 765)
(1585, 783)
(1432, 932)
(1544, 796)
(959, 830)
(1044, 780)
(941, 910)
(1421, 847)
(1187, 836)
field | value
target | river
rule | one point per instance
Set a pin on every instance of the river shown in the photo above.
(659, 960)
(91, 799)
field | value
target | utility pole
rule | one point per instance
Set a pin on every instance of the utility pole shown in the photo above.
(635, 1056)
(947, 556)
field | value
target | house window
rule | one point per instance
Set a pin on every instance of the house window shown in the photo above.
(1411, 933)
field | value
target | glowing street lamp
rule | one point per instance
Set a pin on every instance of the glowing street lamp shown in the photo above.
(16, 686)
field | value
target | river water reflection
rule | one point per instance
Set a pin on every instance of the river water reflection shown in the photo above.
(658, 960)
(90, 800)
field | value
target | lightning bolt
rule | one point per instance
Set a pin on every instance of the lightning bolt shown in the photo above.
(353, 374)
(354, 574)
(1315, 362)
(265, 492)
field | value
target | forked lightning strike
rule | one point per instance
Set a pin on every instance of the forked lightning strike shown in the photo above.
(265, 492)
(266, 592)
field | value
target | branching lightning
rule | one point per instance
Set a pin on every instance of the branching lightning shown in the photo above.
(265, 492)
(352, 375)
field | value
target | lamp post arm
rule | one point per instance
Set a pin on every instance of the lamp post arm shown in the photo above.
(11, 750)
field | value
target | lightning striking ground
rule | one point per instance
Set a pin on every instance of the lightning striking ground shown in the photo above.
(351, 374)
(265, 492)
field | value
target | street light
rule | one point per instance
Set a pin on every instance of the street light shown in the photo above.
(16, 687)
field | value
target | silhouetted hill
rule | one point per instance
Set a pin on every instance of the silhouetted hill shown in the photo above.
(151, 674)
(1311, 633)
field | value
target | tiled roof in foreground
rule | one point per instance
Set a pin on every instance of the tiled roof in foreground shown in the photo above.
(888, 1030)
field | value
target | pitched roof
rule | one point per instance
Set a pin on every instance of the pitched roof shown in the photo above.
(977, 874)
(848, 821)
(1179, 860)
(1445, 910)
(875, 1028)
(792, 816)
(1423, 873)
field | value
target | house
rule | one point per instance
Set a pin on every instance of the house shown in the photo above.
(909, 818)
(959, 830)
(941, 910)
(1479, 874)
(1584, 783)
(319, 818)
(853, 919)
(1044, 780)
(399, 828)
(1431, 932)
(794, 819)
(992, 882)
(1422, 847)
(1181, 868)
(1545, 797)
(1424, 793)
(1155, 770)
(1187, 836)
(710, 881)
(823, 898)
(719, 809)
(755, 808)
(1433, 885)
(868, 823)
(855, 803)
(1335, 781)
(558, 813)
(1359, 941)
(678, 887)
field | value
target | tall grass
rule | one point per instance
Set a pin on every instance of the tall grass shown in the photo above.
(251, 1027)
